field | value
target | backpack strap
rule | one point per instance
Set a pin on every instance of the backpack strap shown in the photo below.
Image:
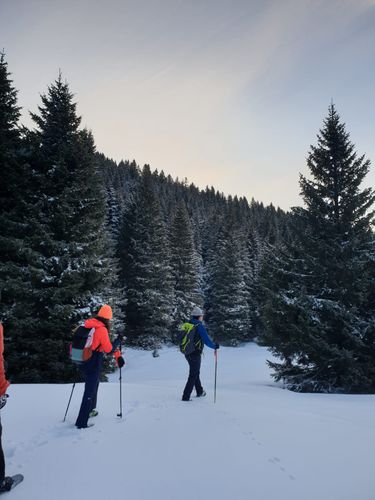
(97, 348)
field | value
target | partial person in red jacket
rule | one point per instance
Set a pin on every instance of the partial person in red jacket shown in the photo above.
(5, 482)
(92, 368)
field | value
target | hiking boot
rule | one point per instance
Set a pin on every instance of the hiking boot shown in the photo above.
(202, 394)
(85, 426)
(6, 484)
(93, 413)
(185, 399)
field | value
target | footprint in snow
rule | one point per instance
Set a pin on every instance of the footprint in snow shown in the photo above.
(277, 461)
(9, 451)
(131, 407)
(156, 406)
(42, 443)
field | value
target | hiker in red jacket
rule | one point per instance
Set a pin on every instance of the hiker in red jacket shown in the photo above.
(5, 482)
(92, 368)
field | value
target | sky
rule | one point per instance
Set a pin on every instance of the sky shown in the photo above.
(229, 93)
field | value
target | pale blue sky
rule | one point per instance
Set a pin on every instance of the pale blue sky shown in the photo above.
(225, 93)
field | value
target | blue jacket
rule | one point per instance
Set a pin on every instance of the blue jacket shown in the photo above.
(203, 333)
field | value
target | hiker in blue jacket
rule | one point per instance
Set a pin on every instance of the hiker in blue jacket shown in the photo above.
(194, 359)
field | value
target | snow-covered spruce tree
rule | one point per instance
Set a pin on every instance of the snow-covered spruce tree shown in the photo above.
(10, 143)
(145, 268)
(227, 293)
(12, 284)
(120, 182)
(254, 257)
(185, 264)
(71, 270)
(320, 312)
(17, 213)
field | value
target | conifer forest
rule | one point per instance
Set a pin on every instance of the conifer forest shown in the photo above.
(79, 229)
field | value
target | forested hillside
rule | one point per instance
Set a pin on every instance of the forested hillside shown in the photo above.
(179, 245)
(79, 230)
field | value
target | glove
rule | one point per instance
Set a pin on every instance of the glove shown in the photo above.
(121, 337)
(217, 346)
(3, 400)
(116, 343)
(120, 361)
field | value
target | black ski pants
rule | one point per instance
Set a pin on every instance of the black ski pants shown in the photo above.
(91, 371)
(2, 461)
(194, 359)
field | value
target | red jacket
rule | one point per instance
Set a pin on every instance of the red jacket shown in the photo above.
(101, 341)
(4, 384)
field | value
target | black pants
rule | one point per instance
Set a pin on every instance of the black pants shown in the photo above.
(194, 361)
(2, 461)
(91, 371)
(95, 397)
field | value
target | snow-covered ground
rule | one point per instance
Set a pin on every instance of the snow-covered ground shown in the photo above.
(258, 442)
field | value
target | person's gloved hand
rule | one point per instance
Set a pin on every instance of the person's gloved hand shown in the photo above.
(3, 400)
(217, 346)
(120, 361)
(117, 342)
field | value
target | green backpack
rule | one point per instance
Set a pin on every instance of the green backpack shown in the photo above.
(189, 339)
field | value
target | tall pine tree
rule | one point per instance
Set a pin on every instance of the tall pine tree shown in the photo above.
(11, 218)
(18, 210)
(185, 265)
(70, 267)
(228, 312)
(145, 268)
(320, 312)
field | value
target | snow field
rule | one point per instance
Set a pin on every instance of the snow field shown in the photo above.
(258, 442)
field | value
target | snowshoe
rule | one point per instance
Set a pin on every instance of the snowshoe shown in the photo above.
(10, 482)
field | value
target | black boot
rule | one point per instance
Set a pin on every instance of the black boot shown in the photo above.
(6, 484)
(202, 394)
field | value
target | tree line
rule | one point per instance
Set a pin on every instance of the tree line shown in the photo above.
(79, 229)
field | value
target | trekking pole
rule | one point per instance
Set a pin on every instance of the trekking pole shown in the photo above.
(67, 408)
(120, 379)
(215, 354)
